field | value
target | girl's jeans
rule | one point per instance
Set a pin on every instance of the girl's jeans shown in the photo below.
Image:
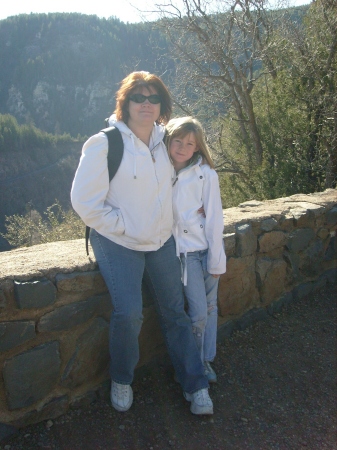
(201, 293)
(123, 270)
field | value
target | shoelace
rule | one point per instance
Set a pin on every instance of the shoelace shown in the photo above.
(121, 391)
(202, 396)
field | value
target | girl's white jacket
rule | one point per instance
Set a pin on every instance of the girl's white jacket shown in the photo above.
(135, 209)
(197, 186)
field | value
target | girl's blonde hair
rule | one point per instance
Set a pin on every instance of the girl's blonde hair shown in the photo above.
(181, 127)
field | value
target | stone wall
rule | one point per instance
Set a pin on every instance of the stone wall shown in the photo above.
(54, 306)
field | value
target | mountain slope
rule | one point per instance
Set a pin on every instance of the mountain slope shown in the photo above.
(60, 71)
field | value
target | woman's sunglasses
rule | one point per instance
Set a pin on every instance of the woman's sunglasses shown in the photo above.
(140, 98)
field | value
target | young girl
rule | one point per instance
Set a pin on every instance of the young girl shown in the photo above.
(199, 240)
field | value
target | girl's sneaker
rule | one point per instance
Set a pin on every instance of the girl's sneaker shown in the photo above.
(201, 402)
(209, 372)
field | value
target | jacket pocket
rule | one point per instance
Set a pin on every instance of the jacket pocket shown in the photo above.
(196, 227)
(120, 224)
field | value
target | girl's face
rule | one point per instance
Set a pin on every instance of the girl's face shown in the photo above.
(182, 149)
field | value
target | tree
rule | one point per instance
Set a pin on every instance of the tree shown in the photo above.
(249, 73)
(222, 52)
(310, 65)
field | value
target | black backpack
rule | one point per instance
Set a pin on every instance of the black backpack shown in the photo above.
(115, 155)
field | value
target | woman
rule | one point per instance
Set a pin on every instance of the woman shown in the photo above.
(131, 235)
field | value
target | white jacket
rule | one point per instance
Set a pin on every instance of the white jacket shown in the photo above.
(197, 186)
(135, 209)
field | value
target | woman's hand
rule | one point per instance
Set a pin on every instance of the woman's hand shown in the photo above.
(202, 211)
(215, 276)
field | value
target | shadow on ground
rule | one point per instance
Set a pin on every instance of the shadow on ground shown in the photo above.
(276, 390)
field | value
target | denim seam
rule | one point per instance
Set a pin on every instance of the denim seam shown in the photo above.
(113, 284)
(163, 323)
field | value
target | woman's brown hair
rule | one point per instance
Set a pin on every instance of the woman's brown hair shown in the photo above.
(131, 85)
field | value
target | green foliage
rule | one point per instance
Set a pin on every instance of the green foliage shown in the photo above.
(288, 166)
(294, 113)
(296, 109)
(233, 191)
(282, 122)
(56, 224)
(16, 138)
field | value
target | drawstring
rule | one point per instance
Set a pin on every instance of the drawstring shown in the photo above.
(184, 269)
(153, 149)
(183, 264)
(135, 154)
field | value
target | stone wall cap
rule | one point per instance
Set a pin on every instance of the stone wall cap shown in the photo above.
(40, 260)
(254, 210)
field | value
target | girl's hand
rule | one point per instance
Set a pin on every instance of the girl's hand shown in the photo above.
(202, 211)
(215, 276)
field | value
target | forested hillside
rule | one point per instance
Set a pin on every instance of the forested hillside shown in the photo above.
(36, 168)
(61, 71)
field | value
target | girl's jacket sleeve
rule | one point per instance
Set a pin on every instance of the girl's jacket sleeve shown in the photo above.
(216, 261)
(91, 186)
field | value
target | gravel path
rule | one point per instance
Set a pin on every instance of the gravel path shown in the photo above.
(276, 390)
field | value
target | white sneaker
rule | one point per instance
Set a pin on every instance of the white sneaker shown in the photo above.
(201, 402)
(121, 396)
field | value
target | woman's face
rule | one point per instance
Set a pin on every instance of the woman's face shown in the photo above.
(146, 113)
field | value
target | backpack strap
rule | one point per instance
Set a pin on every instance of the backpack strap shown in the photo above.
(87, 232)
(115, 149)
(114, 157)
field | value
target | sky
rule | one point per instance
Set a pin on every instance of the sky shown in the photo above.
(125, 10)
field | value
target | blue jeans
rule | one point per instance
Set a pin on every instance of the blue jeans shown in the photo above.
(123, 270)
(201, 293)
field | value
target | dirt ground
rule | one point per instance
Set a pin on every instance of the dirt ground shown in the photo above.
(276, 390)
